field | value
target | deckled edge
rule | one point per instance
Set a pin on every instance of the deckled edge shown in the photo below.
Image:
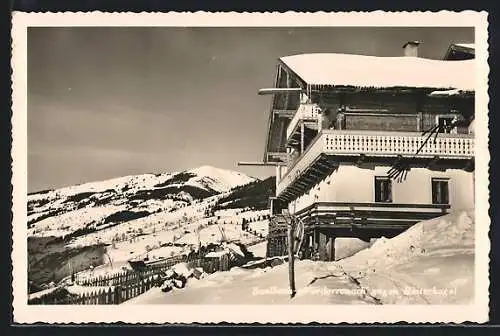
(15, 89)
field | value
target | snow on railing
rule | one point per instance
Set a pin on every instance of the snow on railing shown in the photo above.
(301, 164)
(304, 112)
(378, 144)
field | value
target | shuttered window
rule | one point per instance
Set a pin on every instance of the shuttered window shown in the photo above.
(383, 189)
(440, 192)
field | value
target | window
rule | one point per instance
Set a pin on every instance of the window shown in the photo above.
(440, 194)
(383, 190)
(444, 123)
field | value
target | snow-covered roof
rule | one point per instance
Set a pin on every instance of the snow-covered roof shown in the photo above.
(42, 293)
(381, 72)
(453, 92)
(466, 45)
(216, 254)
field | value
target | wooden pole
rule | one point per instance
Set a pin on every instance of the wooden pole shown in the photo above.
(291, 260)
(266, 91)
(260, 164)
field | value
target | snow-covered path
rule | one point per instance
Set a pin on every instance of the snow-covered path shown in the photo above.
(270, 286)
(446, 280)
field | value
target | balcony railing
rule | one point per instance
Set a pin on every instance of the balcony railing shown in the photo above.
(306, 112)
(338, 214)
(345, 143)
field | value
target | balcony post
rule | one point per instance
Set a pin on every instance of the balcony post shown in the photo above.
(320, 121)
(302, 138)
(322, 249)
(288, 85)
(419, 122)
(278, 175)
(330, 254)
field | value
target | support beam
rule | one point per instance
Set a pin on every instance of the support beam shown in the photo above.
(361, 159)
(294, 190)
(284, 113)
(288, 85)
(277, 155)
(330, 252)
(317, 175)
(469, 166)
(308, 179)
(301, 182)
(316, 170)
(397, 161)
(261, 164)
(323, 161)
(267, 91)
(433, 162)
(278, 177)
(322, 248)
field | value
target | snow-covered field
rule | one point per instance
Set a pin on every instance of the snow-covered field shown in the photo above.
(431, 263)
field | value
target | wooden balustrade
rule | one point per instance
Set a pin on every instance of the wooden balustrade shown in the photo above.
(345, 143)
(306, 112)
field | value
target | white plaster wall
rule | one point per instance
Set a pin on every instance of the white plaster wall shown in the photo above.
(355, 184)
(346, 247)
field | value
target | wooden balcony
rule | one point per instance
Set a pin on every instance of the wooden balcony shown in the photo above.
(368, 219)
(307, 113)
(332, 147)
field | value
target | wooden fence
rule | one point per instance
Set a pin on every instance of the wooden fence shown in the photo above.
(103, 296)
(125, 278)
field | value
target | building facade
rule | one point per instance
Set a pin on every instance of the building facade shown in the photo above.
(367, 146)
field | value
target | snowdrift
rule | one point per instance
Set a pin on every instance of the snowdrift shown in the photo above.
(431, 263)
(444, 235)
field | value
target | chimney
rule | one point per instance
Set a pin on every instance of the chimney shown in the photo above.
(411, 48)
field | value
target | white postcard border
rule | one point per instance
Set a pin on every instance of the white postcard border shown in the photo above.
(477, 311)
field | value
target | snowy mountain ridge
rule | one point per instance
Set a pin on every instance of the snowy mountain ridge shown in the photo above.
(87, 206)
(220, 179)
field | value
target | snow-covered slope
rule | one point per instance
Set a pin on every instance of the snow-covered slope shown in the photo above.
(88, 205)
(220, 180)
(163, 215)
(431, 263)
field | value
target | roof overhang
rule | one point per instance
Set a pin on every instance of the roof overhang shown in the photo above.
(460, 51)
(380, 73)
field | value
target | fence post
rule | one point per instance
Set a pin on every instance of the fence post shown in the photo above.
(117, 294)
(109, 297)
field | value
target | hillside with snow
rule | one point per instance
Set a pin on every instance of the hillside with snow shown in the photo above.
(153, 215)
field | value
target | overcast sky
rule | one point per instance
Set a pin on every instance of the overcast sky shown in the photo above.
(107, 102)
